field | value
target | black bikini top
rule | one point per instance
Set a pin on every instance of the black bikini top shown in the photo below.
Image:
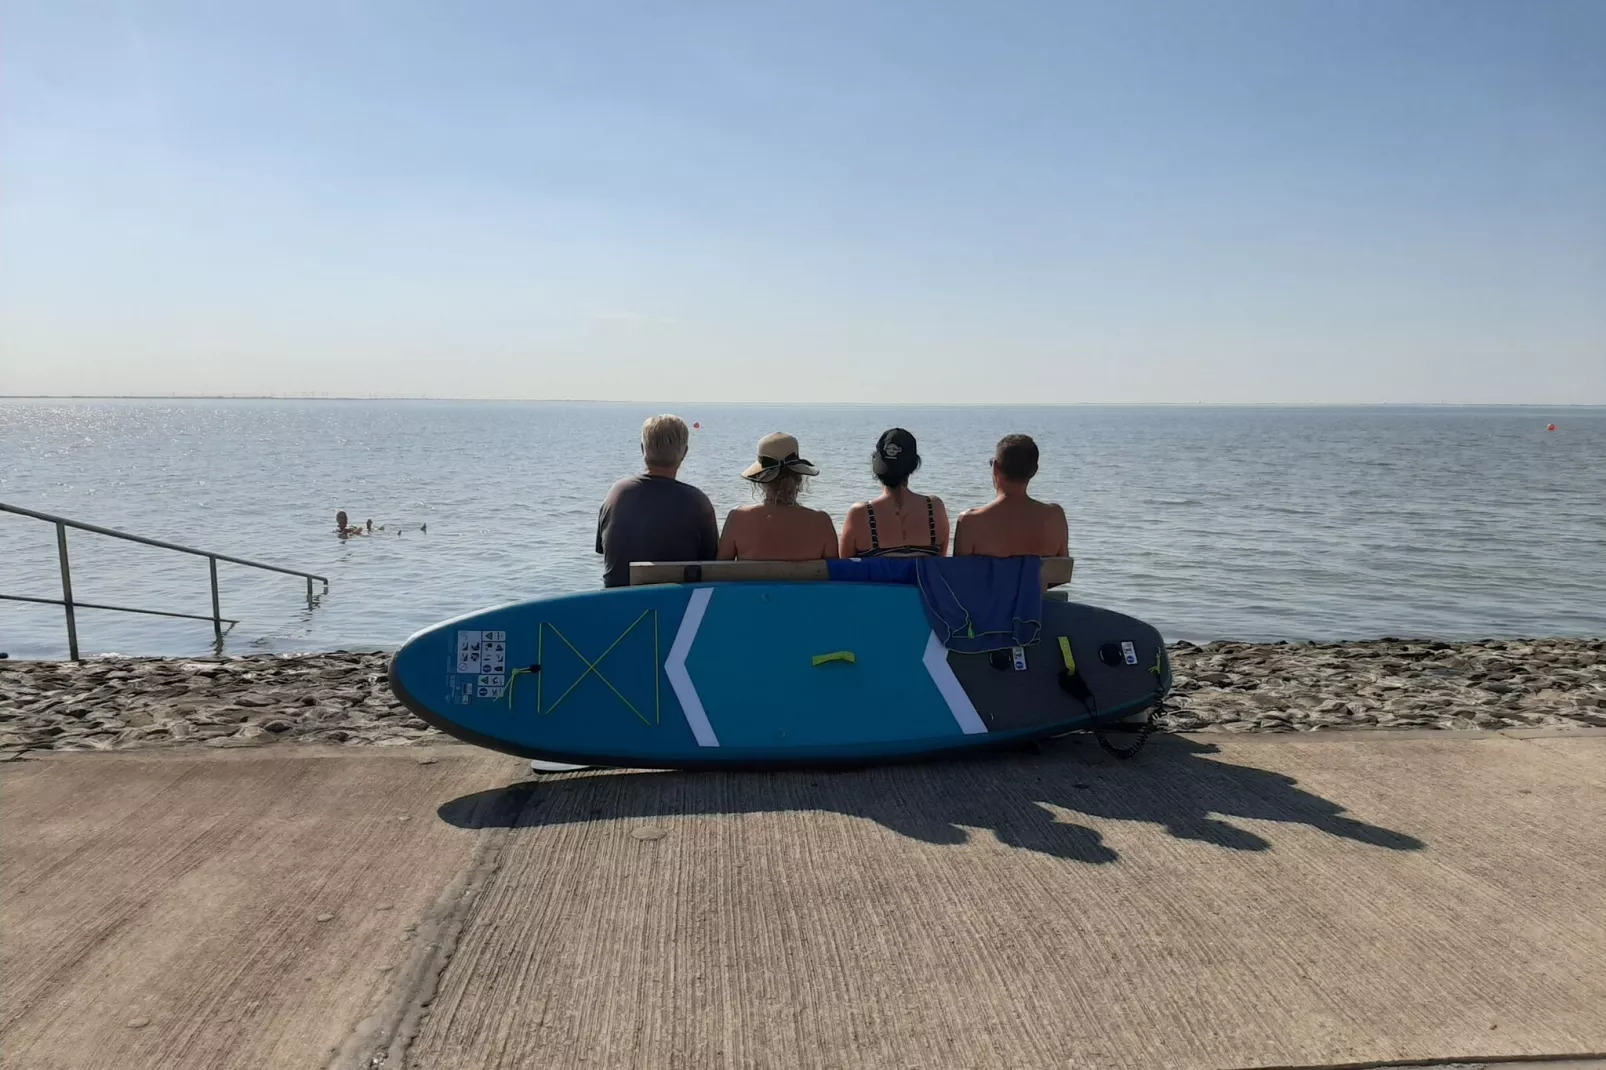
(877, 550)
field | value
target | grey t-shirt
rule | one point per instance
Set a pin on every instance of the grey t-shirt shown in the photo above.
(654, 518)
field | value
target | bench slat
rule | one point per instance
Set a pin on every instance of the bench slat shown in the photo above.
(1056, 571)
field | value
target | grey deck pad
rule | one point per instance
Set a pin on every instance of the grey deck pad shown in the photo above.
(1010, 699)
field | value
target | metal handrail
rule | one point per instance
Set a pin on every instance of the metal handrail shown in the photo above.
(117, 609)
(68, 603)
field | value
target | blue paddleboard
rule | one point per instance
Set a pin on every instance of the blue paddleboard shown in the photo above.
(761, 674)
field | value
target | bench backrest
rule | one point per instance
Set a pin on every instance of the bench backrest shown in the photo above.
(1056, 571)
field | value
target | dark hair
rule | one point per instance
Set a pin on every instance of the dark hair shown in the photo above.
(896, 475)
(1016, 458)
(896, 458)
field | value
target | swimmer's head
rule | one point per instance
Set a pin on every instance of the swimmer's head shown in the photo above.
(340, 520)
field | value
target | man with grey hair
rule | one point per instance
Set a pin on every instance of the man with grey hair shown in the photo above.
(654, 516)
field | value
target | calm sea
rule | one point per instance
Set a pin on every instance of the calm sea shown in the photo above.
(1257, 523)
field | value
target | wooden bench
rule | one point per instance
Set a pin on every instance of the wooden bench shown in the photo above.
(1056, 571)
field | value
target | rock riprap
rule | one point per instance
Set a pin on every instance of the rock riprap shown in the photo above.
(1388, 683)
(121, 703)
(257, 700)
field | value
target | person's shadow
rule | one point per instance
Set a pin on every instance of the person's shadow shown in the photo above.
(1174, 784)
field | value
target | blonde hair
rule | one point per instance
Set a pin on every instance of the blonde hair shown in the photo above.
(664, 440)
(784, 489)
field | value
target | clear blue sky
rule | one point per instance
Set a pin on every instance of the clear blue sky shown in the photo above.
(1237, 200)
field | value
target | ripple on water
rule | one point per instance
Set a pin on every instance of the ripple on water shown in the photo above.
(1254, 523)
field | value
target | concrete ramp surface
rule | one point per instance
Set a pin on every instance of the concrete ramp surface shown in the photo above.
(1247, 902)
(216, 909)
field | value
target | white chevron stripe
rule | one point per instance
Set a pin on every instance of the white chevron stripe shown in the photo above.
(959, 704)
(680, 679)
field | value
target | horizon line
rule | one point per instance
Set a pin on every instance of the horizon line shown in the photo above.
(798, 404)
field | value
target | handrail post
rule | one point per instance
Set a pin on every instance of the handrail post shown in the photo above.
(217, 614)
(70, 606)
(66, 591)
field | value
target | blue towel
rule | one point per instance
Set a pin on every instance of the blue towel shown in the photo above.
(974, 604)
(873, 569)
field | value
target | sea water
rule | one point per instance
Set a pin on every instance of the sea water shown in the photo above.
(1209, 522)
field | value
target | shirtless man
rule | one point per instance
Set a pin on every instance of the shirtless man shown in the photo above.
(1013, 524)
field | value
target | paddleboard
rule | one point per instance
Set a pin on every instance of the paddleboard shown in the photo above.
(750, 675)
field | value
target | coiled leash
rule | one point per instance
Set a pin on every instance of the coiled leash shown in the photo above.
(1072, 684)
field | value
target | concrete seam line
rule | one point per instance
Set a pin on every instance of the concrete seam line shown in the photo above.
(1570, 1061)
(1373, 734)
(383, 1038)
(1536, 736)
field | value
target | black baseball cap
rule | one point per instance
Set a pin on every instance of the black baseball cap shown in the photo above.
(894, 452)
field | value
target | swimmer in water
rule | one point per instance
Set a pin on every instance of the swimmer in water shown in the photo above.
(343, 528)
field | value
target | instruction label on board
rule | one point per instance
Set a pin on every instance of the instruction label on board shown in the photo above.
(483, 655)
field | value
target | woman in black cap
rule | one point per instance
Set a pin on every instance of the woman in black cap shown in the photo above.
(898, 522)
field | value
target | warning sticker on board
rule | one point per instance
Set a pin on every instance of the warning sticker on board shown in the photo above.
(1130, 653)
(468, 652)
(493, 658)
(481, 653)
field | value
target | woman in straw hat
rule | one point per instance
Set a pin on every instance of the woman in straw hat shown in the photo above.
(778, 528)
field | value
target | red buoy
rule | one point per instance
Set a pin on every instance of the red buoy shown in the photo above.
(1550, 427)
(697, 426)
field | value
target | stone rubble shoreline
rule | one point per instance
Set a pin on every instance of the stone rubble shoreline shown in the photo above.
(119, 703)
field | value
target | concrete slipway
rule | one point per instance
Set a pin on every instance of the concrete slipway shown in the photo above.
(1218, 903)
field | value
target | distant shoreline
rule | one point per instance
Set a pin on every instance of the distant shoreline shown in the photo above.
(838, 404)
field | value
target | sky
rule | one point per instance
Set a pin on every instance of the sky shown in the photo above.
(927, 201)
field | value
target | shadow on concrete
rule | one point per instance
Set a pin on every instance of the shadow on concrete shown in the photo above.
(1175, 784)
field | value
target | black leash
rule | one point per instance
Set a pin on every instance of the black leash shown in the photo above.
(1071, 682)
(1144, 731)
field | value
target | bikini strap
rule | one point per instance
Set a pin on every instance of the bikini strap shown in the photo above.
(875, 539)
(931, 520)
